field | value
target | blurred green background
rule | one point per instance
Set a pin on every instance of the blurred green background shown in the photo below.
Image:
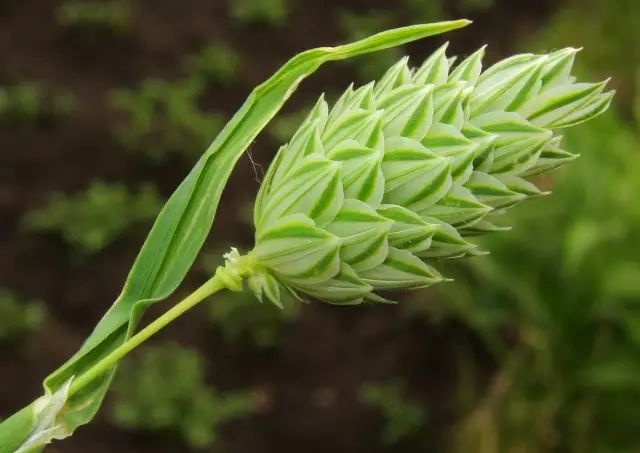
(104, 107)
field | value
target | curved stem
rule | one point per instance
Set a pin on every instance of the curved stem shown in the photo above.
(212, 286)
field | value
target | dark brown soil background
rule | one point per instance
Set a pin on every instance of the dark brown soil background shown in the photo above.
(329, 351)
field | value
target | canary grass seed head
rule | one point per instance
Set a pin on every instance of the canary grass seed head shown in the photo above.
(402, 171)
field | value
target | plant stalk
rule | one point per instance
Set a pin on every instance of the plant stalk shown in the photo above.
(210, 287)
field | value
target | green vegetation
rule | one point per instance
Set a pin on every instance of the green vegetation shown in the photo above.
(430, 10)
(609, 34)
(18, 317)
(164, 389)
(91, 220)
(75, 391)
(115, 16)
(29, 103)
(270, 12)
(569, 382)
(556, 303)
(216, 63)
(472, 6)
(403, 418)
(284, 125)
(164, 117)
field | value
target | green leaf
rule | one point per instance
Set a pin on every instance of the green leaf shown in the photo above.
(16, 429)
(185, 222)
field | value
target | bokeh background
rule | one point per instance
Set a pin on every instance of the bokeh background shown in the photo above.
(105, 106)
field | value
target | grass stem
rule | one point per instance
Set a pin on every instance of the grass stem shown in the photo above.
(212, 286)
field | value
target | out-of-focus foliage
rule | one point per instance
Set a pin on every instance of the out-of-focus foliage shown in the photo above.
(432, 10)
(164, 117)
(216, 63)
(636, 101)
(472, 6)
(608, 31)
(284, 125)
(115, 16)
(163, 388)
(18, 317)
(558, 302)
(240, 316)
(270, 12)
(403, 418)
(29, 103)
(91, 220)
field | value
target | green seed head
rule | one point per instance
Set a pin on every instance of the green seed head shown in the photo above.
(402, 171)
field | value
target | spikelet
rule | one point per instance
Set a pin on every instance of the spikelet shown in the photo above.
(398, 173)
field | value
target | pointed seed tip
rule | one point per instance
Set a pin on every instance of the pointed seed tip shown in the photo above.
(571, 50)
